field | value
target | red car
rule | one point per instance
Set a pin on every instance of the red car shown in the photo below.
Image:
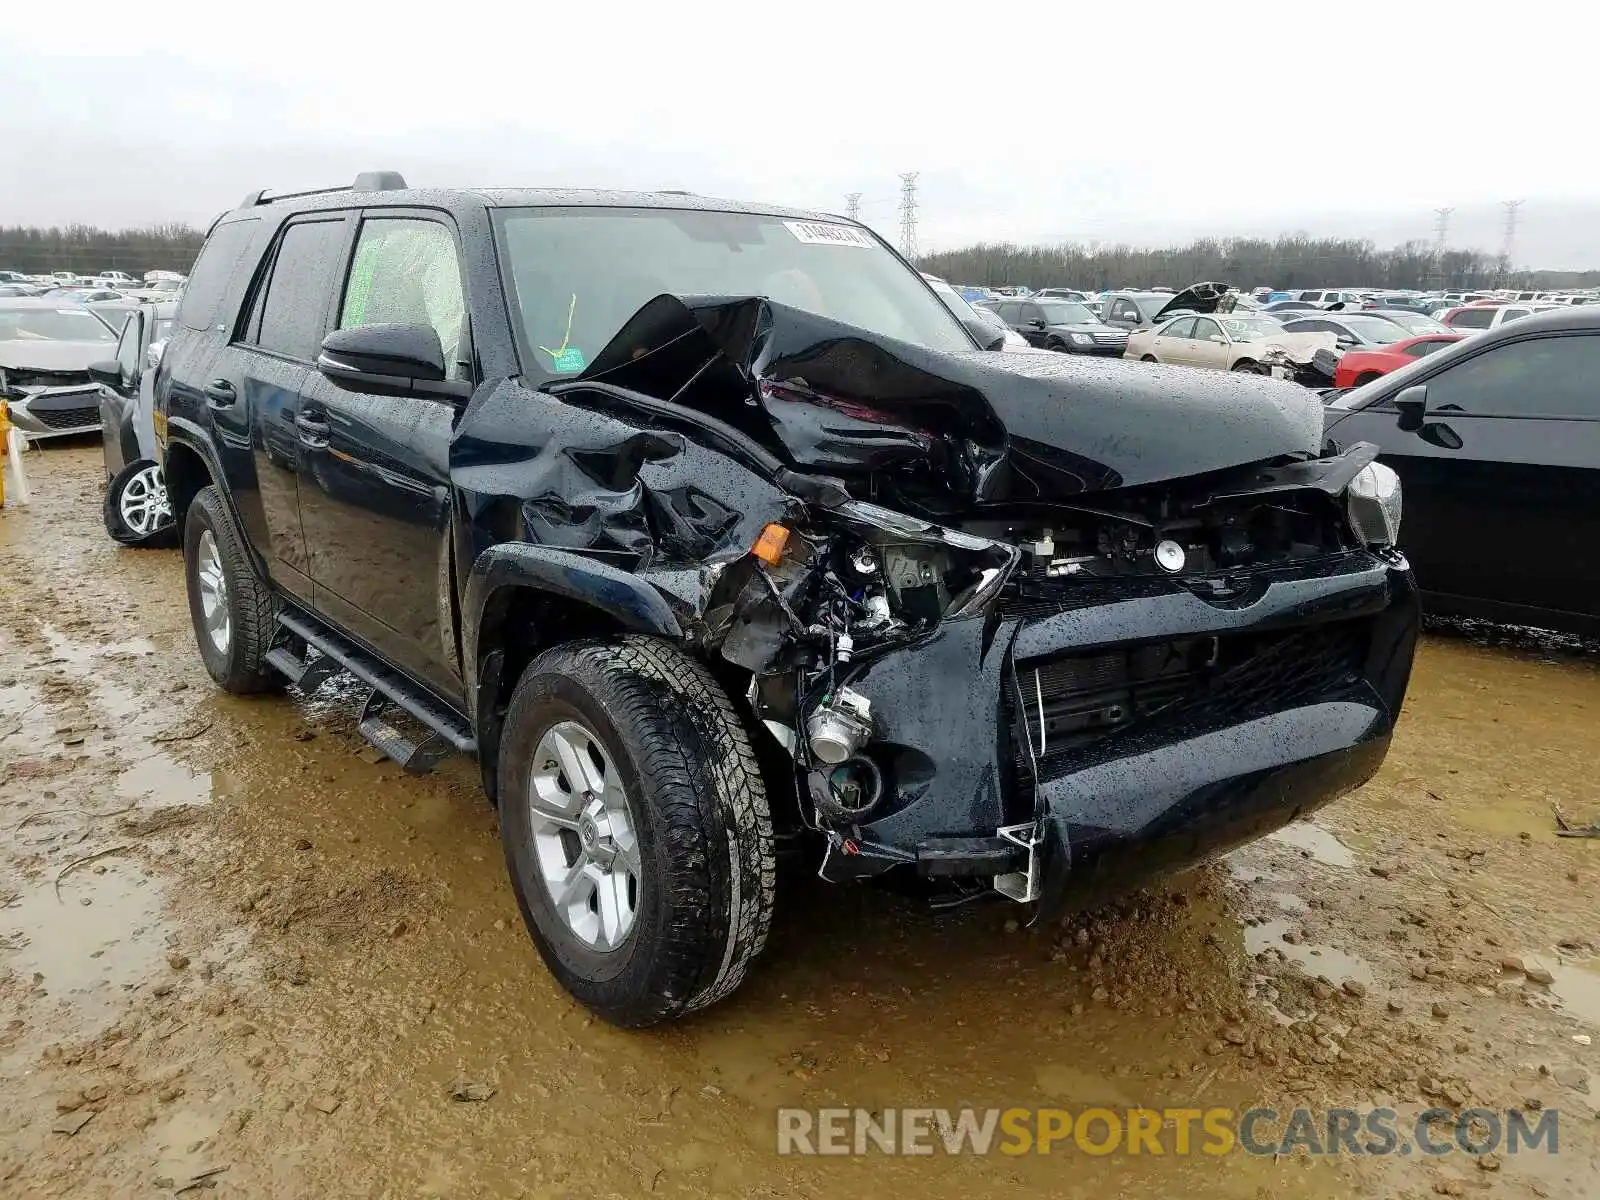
(1363, 366)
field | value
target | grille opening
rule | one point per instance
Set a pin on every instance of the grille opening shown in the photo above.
(1058, 706)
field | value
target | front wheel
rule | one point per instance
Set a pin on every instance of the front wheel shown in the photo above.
(1247, 366)
(636, 828)
(233, 610)
(137, 511)
(1149, 358)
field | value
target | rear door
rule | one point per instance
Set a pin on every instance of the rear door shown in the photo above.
(375, 494)
(258, 386)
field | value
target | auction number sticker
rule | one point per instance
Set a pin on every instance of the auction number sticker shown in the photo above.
(825, 233)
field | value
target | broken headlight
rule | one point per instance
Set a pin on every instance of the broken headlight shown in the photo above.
(929, 573)
(1372, 502)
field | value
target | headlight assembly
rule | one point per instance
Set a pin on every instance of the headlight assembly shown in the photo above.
(1372, 503)
(1080, 339)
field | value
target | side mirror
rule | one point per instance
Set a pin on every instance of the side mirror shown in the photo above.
(108, 372)
(1035, 322)
(1217, 337)
(1346, 342)
(388, 359)
(1412, 403)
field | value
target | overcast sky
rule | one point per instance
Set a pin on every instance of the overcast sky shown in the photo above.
(1027, 121)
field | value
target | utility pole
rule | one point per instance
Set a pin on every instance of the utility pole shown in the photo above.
(908, 215)
(1508, 246)
(1441, 233)
(852, 205)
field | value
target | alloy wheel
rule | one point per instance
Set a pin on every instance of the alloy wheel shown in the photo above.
(213, 593)
(584, 839)
(143, 505)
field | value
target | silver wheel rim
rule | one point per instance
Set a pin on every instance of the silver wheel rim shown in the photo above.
(583, 836)
(143, 503)
(213, 593)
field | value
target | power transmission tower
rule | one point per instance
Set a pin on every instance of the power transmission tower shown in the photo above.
(1508, 246)
(1441, 233)
(908, 215)
(852, 205)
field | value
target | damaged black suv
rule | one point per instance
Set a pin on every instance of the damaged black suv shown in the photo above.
(708, 529)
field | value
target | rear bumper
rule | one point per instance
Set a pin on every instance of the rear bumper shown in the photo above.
(1311, 665)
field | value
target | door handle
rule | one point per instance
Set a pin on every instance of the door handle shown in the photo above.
(313, 433)
(220, 393)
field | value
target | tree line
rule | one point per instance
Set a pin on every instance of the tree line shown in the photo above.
(86, 250)
(1285, 262)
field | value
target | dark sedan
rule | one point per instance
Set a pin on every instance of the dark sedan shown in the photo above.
(1497, 441)
(1352, 329)
(1063, 325)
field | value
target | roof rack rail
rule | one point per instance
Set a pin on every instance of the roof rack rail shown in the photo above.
(367, 181)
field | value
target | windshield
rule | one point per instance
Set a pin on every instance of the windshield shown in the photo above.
(578, 274)
(1250, 329)
(1416, 322)
(1068, 313)
(52, 325)
(1376, 330)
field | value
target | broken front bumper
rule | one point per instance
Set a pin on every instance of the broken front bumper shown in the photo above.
(56, 412)
(1128, 727)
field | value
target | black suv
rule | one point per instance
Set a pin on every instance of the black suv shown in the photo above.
(708, 529)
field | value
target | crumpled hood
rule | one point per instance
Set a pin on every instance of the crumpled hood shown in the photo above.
(1301, 347)
(980, 428)
(43, 355)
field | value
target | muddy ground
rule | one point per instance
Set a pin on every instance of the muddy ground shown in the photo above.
(240, 957)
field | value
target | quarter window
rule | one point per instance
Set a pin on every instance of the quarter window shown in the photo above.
(1550, 377)
(406, 272)
(1472, 318)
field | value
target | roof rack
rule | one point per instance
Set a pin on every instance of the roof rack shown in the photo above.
(367, 181)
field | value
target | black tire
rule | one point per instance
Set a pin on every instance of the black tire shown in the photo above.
(163, 536)
(1248, 366)
(241, 666)
(1150, 358)
(1057, 345)
(1367, 377)
(702, 826)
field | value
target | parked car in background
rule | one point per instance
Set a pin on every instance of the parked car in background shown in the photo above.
(45, 352)
(136, 510)
(1280, 307)
(1497, 438)
(1227, 342)
(13, 290)
(1135, 310)
(119, 279)
(1351, 329)
(1358, 367)
(1062, 325)
(1475, 317)
(1058, 293)
(1014, 341)
(1395, 300)
(1326, 298)
(1415, 323)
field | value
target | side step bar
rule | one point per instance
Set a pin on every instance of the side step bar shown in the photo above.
(450, 734)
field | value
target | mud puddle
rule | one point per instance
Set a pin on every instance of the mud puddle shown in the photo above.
(336, 950)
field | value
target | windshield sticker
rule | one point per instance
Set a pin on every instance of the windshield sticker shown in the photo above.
(568, 360)
(824, 233)
(565, 359)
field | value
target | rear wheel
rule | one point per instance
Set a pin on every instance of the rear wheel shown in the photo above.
(233, 610)
(636, 828)
(1367, 377)
(137, 511)
(1149, 358)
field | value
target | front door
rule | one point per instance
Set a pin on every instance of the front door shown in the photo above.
(375, 494)
(1210, 345)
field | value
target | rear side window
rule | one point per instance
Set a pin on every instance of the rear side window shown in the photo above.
(219, 261)
(294, 313)
(1472, 318)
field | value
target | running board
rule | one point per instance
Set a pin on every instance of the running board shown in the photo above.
(390, 689)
